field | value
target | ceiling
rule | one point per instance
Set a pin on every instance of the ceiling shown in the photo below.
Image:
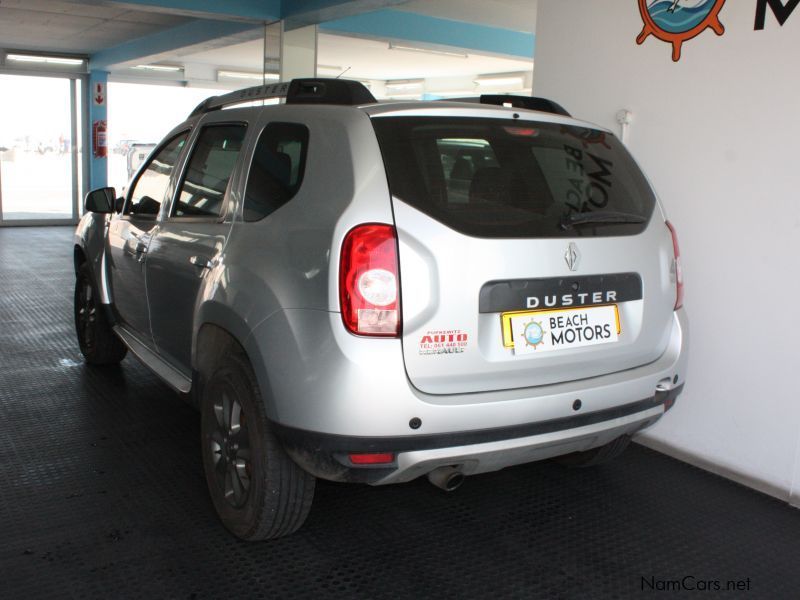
(81, 28)
(90, 26)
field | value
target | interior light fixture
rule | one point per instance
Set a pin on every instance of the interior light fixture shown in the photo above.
(162, 68)
(393, 46)
(508, 80)
(405, 84)
(404, 96)
(454, 93)
(250, 76)
(44, 59)
(333, 68)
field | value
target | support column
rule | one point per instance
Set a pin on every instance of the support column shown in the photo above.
(298, 52)
(97, 101)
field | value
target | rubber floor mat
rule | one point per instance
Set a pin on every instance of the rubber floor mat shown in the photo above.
(102, 495)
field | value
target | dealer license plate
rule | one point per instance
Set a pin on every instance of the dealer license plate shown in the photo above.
(532, 332)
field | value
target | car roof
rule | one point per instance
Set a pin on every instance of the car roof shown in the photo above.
(402, 108)
(467, 109)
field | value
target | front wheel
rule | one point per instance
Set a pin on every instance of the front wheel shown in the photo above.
(98, 342)
(258, 491)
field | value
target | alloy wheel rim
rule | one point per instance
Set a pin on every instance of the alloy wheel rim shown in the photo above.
(230, 449)
(87, 314)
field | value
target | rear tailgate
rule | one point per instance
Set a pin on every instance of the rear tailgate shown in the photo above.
(499, 289)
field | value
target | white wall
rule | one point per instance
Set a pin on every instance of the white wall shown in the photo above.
(718, 135)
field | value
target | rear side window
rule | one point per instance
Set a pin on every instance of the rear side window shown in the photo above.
(497, 178)
(149, 190)
(276, 172)
(202, 191)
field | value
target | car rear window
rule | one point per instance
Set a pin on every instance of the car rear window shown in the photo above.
(498, 178)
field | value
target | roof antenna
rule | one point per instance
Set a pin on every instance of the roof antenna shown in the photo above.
(343, 72)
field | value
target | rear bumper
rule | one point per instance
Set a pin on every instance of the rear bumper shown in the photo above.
(472, 452)
(329, 393)
(315, 376)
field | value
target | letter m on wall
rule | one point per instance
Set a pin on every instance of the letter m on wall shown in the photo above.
(779, 9)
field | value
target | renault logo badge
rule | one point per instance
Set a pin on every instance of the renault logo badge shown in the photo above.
(572, 256)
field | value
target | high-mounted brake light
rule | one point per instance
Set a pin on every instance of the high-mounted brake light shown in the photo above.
(522, 131)
(678, 267)
(369, 290)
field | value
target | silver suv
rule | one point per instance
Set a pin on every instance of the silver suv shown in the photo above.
(371, 292)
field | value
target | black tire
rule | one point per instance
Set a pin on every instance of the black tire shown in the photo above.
(99, 344)
(596, 456)
(258, 492)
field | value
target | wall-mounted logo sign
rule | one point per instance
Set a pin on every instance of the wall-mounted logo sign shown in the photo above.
(677, 21)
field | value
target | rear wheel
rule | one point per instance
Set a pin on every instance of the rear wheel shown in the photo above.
(257, 490)
(99, 345)
(596, 456)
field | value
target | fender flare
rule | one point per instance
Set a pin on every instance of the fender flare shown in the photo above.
(217, 326)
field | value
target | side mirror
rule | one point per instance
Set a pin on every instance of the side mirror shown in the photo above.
(100, 200)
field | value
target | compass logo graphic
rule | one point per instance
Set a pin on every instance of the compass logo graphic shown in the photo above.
(677, 21)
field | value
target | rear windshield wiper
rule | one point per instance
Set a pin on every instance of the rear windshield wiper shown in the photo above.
(605, 217)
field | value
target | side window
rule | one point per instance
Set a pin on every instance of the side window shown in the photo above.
(276, 172)
(202, 191)
(148, 192)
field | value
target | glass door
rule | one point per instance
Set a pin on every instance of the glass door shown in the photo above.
(39, 153)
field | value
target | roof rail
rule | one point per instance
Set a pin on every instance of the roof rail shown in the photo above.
(527, 102)
(297, 91)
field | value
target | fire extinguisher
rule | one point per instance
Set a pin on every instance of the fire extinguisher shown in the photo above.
(99, 139)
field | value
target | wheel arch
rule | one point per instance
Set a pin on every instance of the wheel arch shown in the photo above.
(78, 257)
(220, 330)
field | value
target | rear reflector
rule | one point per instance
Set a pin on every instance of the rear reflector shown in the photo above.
(381, 458)
(678, 267)
(369, 281)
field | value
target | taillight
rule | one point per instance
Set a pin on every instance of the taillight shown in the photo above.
(369, 288)
(678, 267)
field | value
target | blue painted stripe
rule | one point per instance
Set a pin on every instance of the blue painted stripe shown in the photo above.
(194, 32)
(98, 167)
(400, 25)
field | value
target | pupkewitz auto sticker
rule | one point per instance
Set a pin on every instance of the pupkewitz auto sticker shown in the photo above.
(443, 341)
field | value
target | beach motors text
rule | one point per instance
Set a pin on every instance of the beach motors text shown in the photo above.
(576, 328)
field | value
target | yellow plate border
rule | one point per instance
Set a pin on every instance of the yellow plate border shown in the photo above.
(505, 319)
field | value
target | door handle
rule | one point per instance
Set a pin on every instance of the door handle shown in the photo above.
(199, 261)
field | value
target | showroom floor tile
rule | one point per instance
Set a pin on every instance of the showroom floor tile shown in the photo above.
(102, 495)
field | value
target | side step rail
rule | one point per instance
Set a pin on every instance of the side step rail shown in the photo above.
(174, 378)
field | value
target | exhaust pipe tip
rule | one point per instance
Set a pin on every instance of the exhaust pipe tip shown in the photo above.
(454, 481)
(446, 478)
